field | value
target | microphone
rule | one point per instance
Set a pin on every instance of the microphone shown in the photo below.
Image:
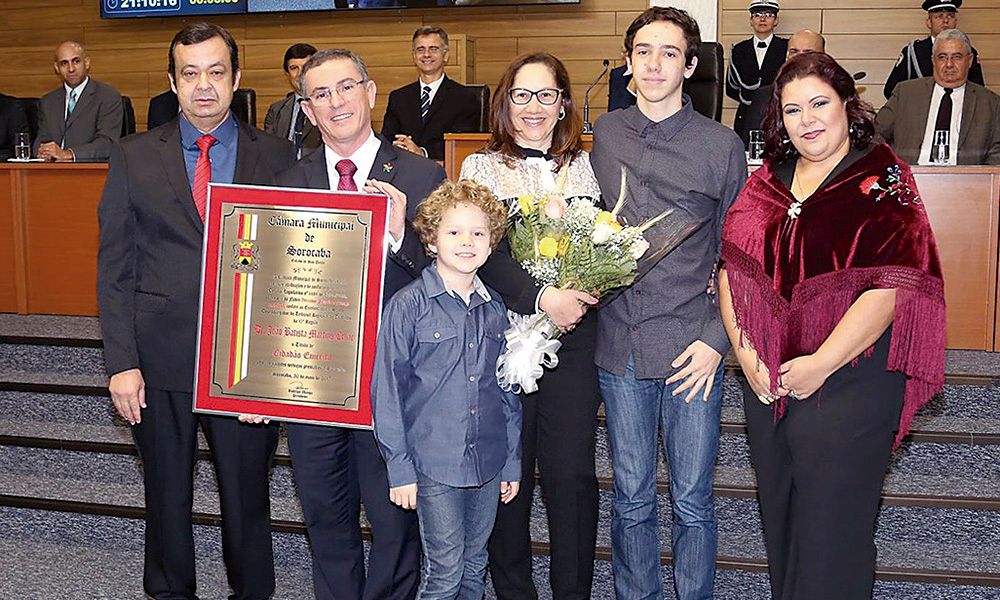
(587, 126)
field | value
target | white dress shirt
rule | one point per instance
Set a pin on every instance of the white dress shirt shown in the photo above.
(957, 102)
(364, 159)
(79, 92)
(434, 85)
(762, 51)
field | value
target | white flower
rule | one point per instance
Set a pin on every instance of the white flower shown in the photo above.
(639, 247)
(794, 210)
(602, 233)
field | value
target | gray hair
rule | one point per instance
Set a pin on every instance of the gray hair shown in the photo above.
(327, 55)
(953, 34)
(431, 30)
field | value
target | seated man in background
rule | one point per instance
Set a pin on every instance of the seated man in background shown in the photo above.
(12, 122)
(948, 101)
(419, 114)
(83, 117)
(914, 59)
(802, 42)
(285, 117)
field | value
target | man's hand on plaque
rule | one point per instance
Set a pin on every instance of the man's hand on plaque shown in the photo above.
(397, 205)
(128, 392)
(404, 496)
(253, 419)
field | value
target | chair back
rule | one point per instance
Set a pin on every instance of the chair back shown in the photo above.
(245, 105)
(30, 108)
(482, 93)
(706, 84)
(128, 116)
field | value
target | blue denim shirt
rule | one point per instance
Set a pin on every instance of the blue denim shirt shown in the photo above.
(438, 408)
(222, 154)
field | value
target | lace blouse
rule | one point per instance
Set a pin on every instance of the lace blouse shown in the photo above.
(529, 175)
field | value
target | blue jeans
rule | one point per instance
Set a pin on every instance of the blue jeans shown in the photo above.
(455, 524)
(635, 409)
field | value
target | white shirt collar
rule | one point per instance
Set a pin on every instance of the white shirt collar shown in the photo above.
(766, 40)
(434, 85)
(363, 158)
(78, 89)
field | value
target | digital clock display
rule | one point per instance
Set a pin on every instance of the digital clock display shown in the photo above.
(111, 9)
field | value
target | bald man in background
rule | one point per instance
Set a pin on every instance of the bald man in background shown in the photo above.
(83, 117)
(803, 41)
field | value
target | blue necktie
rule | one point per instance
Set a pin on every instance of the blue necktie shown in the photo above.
(71, 104)
(425, 103)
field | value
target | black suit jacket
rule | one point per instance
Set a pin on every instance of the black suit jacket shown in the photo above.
(279, 120)
(618, 94)
(454, 109)
(149, 261)
(413, 175)
(744, 77)
(753, 118)
(12, 121)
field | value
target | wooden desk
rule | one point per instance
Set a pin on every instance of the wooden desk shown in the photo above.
(459, 145)
(49, 237)
(962, 204)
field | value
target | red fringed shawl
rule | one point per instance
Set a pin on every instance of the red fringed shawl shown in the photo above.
(793, 274)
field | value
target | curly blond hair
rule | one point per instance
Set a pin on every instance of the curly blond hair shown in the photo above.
(450, 194)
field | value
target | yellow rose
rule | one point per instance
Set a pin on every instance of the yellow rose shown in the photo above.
(548, 247)
(527, 204)
(605, 217)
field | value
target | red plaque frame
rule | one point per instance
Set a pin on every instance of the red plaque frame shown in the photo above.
(209, 396)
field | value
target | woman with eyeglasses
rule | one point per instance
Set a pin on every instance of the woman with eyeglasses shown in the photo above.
(536, 148)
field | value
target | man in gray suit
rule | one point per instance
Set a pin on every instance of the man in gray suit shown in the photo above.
(285, 118)
(949, 102)
(83, 117)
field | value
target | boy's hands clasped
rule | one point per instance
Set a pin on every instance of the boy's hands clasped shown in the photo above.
(405, 496)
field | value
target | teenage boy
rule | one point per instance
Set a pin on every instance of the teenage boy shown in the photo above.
(660, 344)
(450, 436)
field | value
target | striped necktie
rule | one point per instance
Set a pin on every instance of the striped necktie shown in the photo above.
(71, 104)
(202, 174)
(425, 103)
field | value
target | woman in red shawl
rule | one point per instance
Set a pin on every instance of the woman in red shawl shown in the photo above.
(831, 293)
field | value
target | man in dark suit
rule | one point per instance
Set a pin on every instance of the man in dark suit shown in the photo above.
(151, 217)
(754, 62)
(285, 117)
(336, 467)
(801, 42)
(948, 101)
(914, 59)
(12, 121)
(419, 114)
(83, 117)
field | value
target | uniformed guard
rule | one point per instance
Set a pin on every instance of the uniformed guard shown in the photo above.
(914, 59)
(754, 62)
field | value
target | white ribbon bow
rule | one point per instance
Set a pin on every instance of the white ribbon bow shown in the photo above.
(529, 349)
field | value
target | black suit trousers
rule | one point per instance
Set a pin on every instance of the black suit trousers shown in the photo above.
(334, 468)
(558, 428)
(819, 474)
(167, 442)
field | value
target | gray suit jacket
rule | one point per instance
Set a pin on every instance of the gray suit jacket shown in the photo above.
(279, 120)
(94, 126)
(902, 120)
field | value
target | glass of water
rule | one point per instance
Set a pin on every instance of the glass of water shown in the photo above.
(940, 147)
(22, 146)
(755, 152)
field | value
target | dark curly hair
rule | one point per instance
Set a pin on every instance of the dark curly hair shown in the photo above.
(567, 140)
(450, 194)
(860, 114)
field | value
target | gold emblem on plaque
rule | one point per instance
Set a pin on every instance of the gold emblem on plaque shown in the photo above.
(245, 256)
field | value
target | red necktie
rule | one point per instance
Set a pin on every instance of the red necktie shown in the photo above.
(346, 169)
(202, 174)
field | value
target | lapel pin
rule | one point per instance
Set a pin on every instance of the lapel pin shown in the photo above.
(387, 167)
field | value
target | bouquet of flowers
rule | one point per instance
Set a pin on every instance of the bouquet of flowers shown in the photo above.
(569, 243)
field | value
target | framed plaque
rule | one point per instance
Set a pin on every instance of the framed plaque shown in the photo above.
(290, 303)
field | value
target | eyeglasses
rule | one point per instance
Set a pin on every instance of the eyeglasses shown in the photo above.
(546, 96)
(428, 50)
(762, 15)
(955, 57)
(344, 89)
